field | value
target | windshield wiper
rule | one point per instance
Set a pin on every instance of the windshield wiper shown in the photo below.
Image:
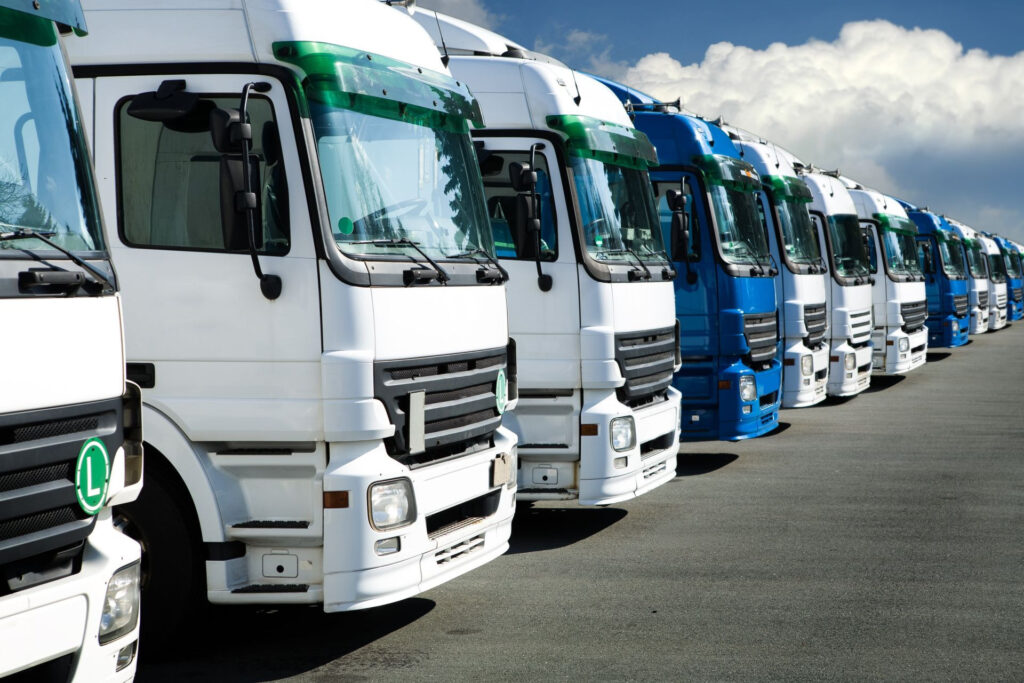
(668, 272)
(634, 273)
(23, 233)
(411, 276)
(497, 273)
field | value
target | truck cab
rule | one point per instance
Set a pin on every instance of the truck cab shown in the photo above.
(849, 294)
(311, 301)
(899, 337)
(802, 279)
(1014, 278)
(70, 426)
(997, 278)
(731, 377)
(591, 309)
(945, 271)
(979, 287)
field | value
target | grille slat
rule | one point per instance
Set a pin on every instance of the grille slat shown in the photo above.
(816, 322)
(983, 300)
(646, 360)
(1018, 294)
(861, 324)
(914, 314)
(961, 305)
(762, 333)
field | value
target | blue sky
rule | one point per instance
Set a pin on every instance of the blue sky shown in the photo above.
(924, 100)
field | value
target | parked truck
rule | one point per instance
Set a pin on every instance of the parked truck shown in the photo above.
(70, 427)
(574, 219)
(312, 305)
(997, 282)
(731, 377)
(978, 283)
(803, 276)
(849, 295)
(945, 271)
(1014, 278)
(899, 338)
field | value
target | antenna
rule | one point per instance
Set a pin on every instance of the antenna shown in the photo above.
(578, 97)
(444, 48)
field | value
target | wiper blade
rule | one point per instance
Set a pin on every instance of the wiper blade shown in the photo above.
(442, 274)
(23, 233)
(490, 259)
(627, 250)
(668, 272)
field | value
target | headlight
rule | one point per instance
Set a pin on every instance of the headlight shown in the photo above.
(748, 388)
(391, 504)
(904, 344)
(850, 362)
(622, 431)
(120, 604)
(806, 364)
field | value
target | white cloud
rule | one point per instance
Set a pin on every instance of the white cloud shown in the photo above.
(905, 110)
(584, 49)
(472, 11)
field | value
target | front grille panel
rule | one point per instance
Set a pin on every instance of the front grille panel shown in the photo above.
(914, 314)
(1018, 294)
(1000, 299)
(961, 305)
(983, 300)
(42, 526)
(860, 321)
(816, 322)
(646, 360)
(761, 331)
(460, 401)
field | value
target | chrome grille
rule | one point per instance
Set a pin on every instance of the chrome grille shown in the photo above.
(816, 321)
(914, 315)
(860, 321)
(961, 305)
(762, 334)
(646, 360)
(1001, 299)
(983, 300)
(460, 407)
(42, 526)
(1018, 294)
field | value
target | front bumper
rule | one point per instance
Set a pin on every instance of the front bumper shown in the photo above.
(843, 382)
(799, 390)
(740, 419)
(979, 320)
(892, 361)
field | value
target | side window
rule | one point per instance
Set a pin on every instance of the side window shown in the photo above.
(170, 177)
(924, 256)
(501, 202)
(688, 187)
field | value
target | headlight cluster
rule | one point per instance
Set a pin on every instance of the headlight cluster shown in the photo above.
(850, 362)
(748, 388)
(622, 431)
(806, 365)
(120, 604)
(392, 504)
(904, 344)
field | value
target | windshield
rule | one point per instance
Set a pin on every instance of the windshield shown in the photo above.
(617, 211)
(799, 238)
(45, 176)
(976, 261)
(849, 258)
(733, 186)
(900, 245)
(997, 268)
(1011, 264)
(952, 255)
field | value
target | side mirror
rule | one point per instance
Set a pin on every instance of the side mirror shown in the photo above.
(522, 176)
(679, 231)
(236, 204)
(526, 221)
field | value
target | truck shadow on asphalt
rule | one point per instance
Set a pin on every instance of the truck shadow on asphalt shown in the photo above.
(883, 382)
(265, 644)
(696, 464)
(538, 529)
(936, 356)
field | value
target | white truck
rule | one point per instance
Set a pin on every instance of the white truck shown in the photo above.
(979, 287)
(311, 302)
(998, 298)
(849, 293)
(591, 297)
(70, 430)
(801, 284)
(899, 335)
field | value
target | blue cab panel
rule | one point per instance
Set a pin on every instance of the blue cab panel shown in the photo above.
(731, 376)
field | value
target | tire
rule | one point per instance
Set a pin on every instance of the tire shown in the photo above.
(171, 561)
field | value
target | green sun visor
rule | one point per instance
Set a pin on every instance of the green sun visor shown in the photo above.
(380, 86)
(64, 11)
(903, 226)
(785, 188)
(944, 235)
(591, 138)
(730, 173)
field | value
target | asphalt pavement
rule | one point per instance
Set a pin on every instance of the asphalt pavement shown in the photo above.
(874, 538)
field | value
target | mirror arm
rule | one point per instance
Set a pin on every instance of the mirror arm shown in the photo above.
(270, 285)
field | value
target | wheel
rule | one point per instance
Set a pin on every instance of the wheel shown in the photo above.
(171, 561)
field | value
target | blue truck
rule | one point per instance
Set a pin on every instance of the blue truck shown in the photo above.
(730, 376)
(945, 270)
(1014, 278)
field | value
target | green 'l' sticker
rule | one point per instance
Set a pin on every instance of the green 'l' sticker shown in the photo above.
(501, 392)
(91, 472)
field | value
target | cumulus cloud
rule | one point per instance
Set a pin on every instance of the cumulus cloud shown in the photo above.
(584, 49)
(472, 11)
(908, 111)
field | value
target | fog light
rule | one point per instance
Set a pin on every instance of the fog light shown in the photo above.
(849, 375)
(807, 381)
(904, 344)
(806, 364)
(748, 409)
(126, 654)
(620, 462)
(623, 433)
(391, 504)
(748, 388)
(120, 604)
(850, 361)
(387, 546)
